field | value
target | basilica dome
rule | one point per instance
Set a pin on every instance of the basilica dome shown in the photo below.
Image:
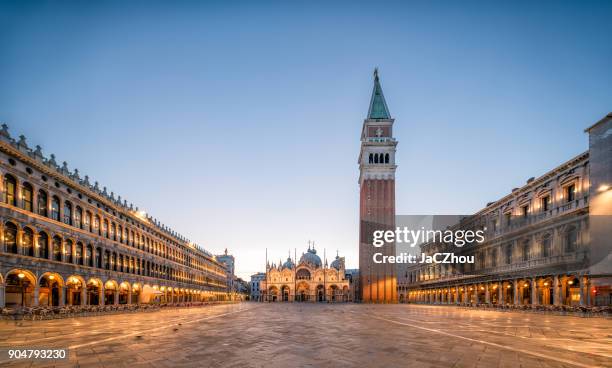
(288, 264)
(337, 263)
(311, 258)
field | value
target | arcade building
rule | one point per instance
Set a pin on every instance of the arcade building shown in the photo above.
(547, 244)
(65, 241)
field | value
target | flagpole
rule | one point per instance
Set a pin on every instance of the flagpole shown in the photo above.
(267, 287)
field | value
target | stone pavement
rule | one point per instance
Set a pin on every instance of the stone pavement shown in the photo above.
(318, 335)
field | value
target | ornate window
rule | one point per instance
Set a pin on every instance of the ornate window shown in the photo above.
(571, 239)
(89, 255)
(525, 250)
(99, 257)
(9, 190)
(546, 246)
(509, 254)
(79, 253)
(386, 158)
(570, 192)
(10, 237)
(68, 213)
(27, 197)
(43, 245)
(78, 217)
(302, 274)
(57, 248)
(87, 222)
(107, 265)
(69, 257)
(28, 242)
(55, 208)
(96, 225)
(105, 228)
(42, 203)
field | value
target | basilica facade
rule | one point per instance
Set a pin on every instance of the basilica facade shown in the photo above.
(310, 280)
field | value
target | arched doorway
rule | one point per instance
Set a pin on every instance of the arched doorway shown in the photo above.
(19, 289)
(333, 290)
(320, 293)
(285, 293)
(124, 293)
(302, 294)
(49, 287)
(74, 290)
(273, 294)
(93, 292)
(136, 292)
(572, 291)
(110, 292)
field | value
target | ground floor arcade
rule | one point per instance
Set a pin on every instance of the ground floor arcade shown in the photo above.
(24, 288)
(570, 290)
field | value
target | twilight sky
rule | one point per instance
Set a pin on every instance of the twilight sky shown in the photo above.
(238, 124)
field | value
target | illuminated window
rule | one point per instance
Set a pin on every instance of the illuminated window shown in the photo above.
(9, 190)
(570, 192)
(55, 208)
(68, 213)
(42, 203)
(26, 197)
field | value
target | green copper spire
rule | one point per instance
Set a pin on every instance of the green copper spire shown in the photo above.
(378, 106)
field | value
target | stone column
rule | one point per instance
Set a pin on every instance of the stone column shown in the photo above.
(534, 292)
(582, 294)
(18, 240)
(2, 246)
(116, 297)
(587, 284)
(129, 297)
(2, 297)
(36, 294)
(62, 296)
(101, 295)
(457, 295)
(556, 291)
(516, 290)
(500, 293)
(448, 296)
(487, 294)
(465, 295)
(84, 295)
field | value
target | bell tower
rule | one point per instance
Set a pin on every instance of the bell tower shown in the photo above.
(378, 282)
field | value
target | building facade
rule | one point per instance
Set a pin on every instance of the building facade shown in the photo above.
(228, 261)
(378, 283)
(65, 241)
(309, 280)
(255, 284)
(546, 243)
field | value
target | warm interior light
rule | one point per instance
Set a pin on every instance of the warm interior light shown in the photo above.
(525, 285)
(508, 287)
(570, 282)
(494, 287)
(546, 284)
(482, 288)
(603, 188)
(21, 275)
(51, 277)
